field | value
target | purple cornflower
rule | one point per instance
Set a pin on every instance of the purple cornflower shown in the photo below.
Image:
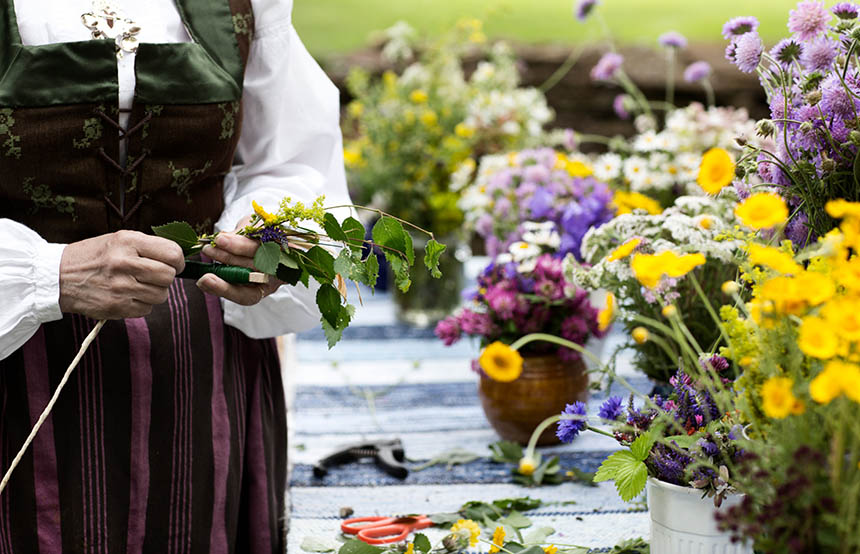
(746, 51)
(620, 106)
(612, 408)
(739, 26)
(607, 67)
(846, 10)
(672, 39)
(697, 71)
(448, 330)
(836, 100)
(568, 429)
(809, 19)
(584, 8)
(786, 52)
(819, 54)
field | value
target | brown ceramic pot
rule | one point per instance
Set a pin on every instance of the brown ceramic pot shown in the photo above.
(546, 385)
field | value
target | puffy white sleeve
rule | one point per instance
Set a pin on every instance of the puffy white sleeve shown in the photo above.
(290, 145)
(29, 279)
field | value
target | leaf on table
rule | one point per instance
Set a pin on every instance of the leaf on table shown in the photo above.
(632, 546)
(450, 458)
(546, 469)
(267, 258)
(318, 544)
(539, 535)
(516, 520)
(445, 519)
(532, 550)
(583, 477)
(506, 452)
(355, 546)
(422, 543)
(522, 504)
(432, 252)
(179, 232)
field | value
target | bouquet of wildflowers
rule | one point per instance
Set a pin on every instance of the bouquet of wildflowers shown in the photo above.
(410, 131)
(812, 80)
(510, 192)
(527, 297)
(693, 225)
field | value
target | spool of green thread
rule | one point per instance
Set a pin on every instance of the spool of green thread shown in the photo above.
(232, 274)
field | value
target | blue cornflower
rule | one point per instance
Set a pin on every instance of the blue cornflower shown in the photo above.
(611, 409)
(568, 429)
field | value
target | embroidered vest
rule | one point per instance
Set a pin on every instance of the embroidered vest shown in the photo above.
(59, 132)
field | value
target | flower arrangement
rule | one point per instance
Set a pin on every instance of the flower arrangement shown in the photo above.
(511, 191)
(411, 131)
(812, 81)
(613, 260)
(513, 299)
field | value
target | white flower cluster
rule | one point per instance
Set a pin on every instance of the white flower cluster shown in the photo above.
(538, 238)
(669, 160)
(512, 112)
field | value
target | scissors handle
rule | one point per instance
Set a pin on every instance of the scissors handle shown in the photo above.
(383, 530)
(350, 528)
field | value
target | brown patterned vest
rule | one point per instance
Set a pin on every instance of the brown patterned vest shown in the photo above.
(59, 136)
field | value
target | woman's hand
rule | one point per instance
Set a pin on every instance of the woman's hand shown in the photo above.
(118, 275)
(233, 249)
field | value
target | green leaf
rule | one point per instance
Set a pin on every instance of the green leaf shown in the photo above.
(328, 301)
(179, 232)
(516, 520)
(317, 544)
(354, 231)
(401, 272)
(333, 333)
(287, 259)
(539, 535)
(289, 275)
(641, 447)
(549, 467)
(684, 441)
(371, 270)
(432, 252)
(320, 264)
(522, 504)
(450, 458)
(267, 257)
(344, 264)
(445, 519)
(532, 550)
(388, 232)
(506, 452)
(422, 543)
(355, 546)
(333, 228)
(628, 472)
(584, 477)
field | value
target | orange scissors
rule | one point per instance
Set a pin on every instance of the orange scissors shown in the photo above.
(383, 530)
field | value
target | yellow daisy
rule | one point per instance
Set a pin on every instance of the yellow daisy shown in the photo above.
(501, 362)
(716, 171)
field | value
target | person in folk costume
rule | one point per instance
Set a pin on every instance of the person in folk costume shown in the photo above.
(116, 116)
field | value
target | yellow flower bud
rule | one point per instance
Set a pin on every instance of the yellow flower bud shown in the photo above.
(670, 311)
(527, 465)
(641, 335)
(730, 288)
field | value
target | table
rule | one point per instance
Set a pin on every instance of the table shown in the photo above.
(385, 381)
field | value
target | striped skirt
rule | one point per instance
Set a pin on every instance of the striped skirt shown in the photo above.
(170, 437)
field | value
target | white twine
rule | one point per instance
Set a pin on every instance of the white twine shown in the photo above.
(47, 411)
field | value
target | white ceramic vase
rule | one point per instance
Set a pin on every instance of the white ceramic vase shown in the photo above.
(682, 522)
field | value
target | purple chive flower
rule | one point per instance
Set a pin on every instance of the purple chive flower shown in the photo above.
(697, 71)
(448, 330)
(611, 409)
(747, 52)
(809, 20)
(819, 54)
(568, 429)
(584, 8)
(672, 39)
(620, 106)
(739, 26)
(607, 67)
(786, 52)
(846, 10)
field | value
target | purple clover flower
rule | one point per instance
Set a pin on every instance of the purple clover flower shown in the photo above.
(786, 52)
(739, 26)
(607, 67)
(448, 330)
(584, 9)
(715, 362)
(569, 429)
(612, 408)
(697, 71)
(818, 55)
(846, 10)
(809, 19)
(745, 52)
(672, 39)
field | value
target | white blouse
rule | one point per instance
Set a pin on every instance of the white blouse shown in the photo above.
(290, 145)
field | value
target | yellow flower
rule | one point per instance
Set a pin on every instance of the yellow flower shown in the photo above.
(410, 548)
(782, 295)
(706, 223)
(464, 131)
(512, 158)
(551, 549)
(498, 540)
(624, 250)
(682, 265)
(762, 211)
(816, 288)
(669, 311)
(267, 218)
(418, 96)
(527, 465)
(607, 314)
(429, 118)
(501, 362)
(777, 398)
(650, 268)
(843, 318)
(817, 339)
(716, 171)
(838, 209)
(730, 288)
(578, 169)
(471, 527)
(641, 335)
(773, 258)
(352, 157)
(838, 378)
(626, 202)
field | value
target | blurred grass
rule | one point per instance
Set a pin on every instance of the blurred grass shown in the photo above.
(335, 26)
